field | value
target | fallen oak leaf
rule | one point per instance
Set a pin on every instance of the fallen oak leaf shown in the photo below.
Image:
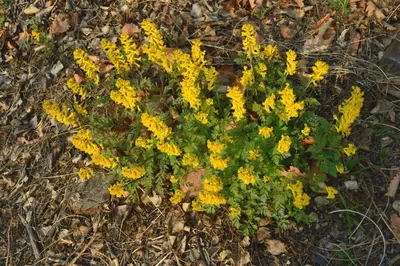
(275, 247)
(372, 10)
(60, 24)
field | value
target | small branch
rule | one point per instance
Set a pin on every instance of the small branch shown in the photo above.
(31, 237)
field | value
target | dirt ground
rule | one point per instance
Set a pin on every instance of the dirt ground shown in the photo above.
(50, 217)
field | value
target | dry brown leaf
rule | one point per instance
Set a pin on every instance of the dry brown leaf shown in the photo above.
(31, 10)
(372, 10)
(130, 29)
(323, 39)
(355, 43)
(275, 247)
(192, 183)
(255, 3)
(395, 224)
(23, 37)
(299, 3)
(287, 32)
(60, 24)
(394, 184)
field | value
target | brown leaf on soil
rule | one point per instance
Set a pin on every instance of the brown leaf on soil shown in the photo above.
(299, 3)
(287, 32)
(394, 184)
(31, 10)
(23, 37)
(355, 43)
(78, 78)
(395, 224)
(372, 10)
(275, 247)
(60, 24)
(294, 171)
(323, 40)
(226, 75)
(192, 183)
(255, 3)
(130, 29)
(23, 140)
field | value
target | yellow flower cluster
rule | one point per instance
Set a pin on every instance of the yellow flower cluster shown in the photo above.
(202, 117)
(246, 174)
(133, 172)
(85, 173)
(288, 99)
(80, 109)
(126, 95)
(155, 125)
(249, 41)
(178, 196)
(215, 146)
(115, 56)
(211, 76)
(117, 190)
(237, 102)
(173, 179)
(83, 141)
(340, 168)
(155, 48)
(291, 63)
(271, 51)
(261, 69)
(254, 154)
(320, 69)
(104, 161)
(62, 115)
(36, 35)
(265, 131)
(306, 131)
(247, 78)
(350, 110)
(76, 88)
(213, 184)
(350, 149)
(234, 212)
(144, 143)
(130, 49)
(269, 103)
(87, 65)
(218, 162)
(331, 192)
(169, 148)
(284, 144)
(301, 199)
(190, 159)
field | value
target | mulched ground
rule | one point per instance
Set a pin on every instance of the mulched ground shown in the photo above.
(49, 217)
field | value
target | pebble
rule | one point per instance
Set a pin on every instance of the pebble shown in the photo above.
(351, 185)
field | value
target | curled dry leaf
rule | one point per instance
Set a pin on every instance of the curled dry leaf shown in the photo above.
(31, 10)
(395, 224)
(373, 10)
(394, 184)
(130, 29)
(322, 40)
(275, 247)
(299, 3)
(60, 24)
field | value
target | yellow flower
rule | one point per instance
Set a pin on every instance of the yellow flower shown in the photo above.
(115, 56)
(117, 190)
(215, 146)
(197, 205)
(126, 95)
(234, 212)
(36, 35)
(130, 49)
(261, 69)
(104, 161)
(213, 184)
(76, 88)
(190, 159)
(155, 125)
(197, 53)
(320, 69)
(340, 168)
(86, 173)
(144, 143)
(331, 192)
(254, 154)
(202, 117)
(288, 100)
(62, 115)
(266, 178)
(269, 103)
(249, 41)
(237, 102)
(301, 199)
(173, 179)
(155, 48)
(80, 109)
(178, 196)
(217, 162)
(291, 62)
(265, 131)
(211, 77)
(350, 110)
(350, 150)
(284, 144)
(246, 174)
(83, 141)
(306, 130)
(169, 148)
(211, 198)
(271, 51)
(247, 78)
(87, 65)
(133, 172)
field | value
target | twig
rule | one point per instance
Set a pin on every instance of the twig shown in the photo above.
(95, 227)
(31, 237)
(163, 259)
(372, 221)
(9, 244)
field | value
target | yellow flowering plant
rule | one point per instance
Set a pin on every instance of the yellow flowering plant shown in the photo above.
(159, 116)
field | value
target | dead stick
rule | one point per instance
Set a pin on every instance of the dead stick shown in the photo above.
(95, 226)
(31, 237)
